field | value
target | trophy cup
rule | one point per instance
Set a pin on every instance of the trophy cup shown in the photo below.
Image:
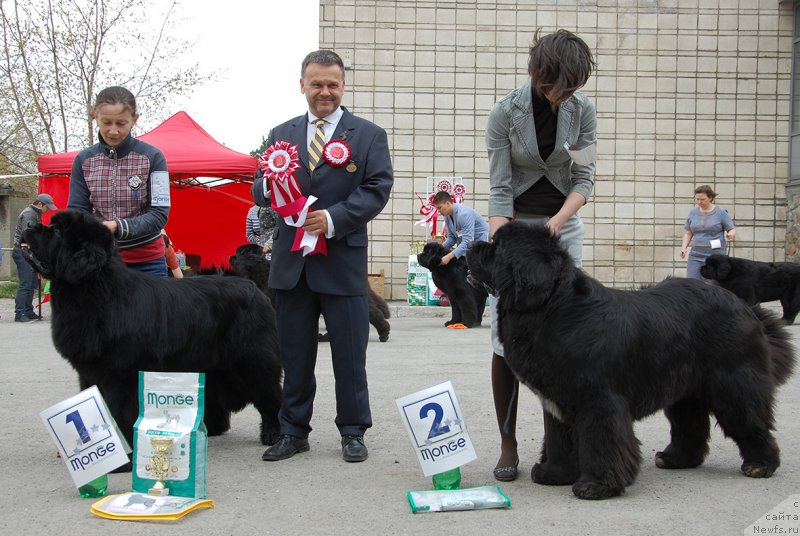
(159, 464)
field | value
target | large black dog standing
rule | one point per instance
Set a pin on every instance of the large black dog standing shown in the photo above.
(601, 358)
(110, 322)
(756, 282)
(466, 302)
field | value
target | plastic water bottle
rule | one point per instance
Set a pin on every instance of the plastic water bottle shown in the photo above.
(448, 480)
(181, 256)
(95, 488)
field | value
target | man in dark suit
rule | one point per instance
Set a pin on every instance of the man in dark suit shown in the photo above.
(349, 193)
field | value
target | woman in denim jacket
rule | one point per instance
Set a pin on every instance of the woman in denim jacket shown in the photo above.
(541, 140)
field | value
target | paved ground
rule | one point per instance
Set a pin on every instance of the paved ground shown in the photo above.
(317, 493)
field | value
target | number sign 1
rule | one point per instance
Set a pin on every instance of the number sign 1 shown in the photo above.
(86, 436)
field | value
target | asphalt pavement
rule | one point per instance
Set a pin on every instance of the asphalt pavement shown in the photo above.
(318, 493)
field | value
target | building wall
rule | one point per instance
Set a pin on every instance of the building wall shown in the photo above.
(688, 92)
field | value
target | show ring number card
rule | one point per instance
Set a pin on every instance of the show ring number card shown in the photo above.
(86, 436)
(436, 427)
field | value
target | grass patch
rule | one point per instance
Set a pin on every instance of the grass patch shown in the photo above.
(8, 290)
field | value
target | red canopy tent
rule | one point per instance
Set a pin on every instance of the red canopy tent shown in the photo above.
(207, 217)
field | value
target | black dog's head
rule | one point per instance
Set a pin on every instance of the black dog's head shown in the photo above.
(523, 265)
(431, 256)
(73, 248)
(250, 262)
(245, 250)
(717, 267)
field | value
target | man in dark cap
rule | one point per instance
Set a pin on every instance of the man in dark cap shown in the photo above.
(29, 217)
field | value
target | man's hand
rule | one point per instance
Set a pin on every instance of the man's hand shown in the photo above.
(447, 258)
(316, 223)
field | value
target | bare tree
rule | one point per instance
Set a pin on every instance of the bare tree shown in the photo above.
(56, 55)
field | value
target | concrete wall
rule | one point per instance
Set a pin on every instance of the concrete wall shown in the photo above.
(688, 92)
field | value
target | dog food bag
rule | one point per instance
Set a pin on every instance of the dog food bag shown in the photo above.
(458, 499)
(171, 408)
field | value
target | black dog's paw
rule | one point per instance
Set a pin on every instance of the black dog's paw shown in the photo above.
(548, 474)
(595, 491)
(270, 435)
(218, 424)
(669, 459)
(758, 470)
(384, 336)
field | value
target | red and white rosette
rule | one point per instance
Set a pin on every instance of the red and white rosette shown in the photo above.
(429, 213)
(444, 185)
(337, 153)
(458, 192)
(278, 164)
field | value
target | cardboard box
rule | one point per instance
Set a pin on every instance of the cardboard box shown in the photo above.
(377, 282)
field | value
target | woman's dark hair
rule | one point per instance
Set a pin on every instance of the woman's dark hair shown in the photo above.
(559, 64)
(706, 189)
(116, 95)
(322, 57)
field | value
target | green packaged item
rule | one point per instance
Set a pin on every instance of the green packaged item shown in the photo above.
(478, 498)
(170, 437)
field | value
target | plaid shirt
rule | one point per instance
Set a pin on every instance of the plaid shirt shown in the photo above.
(117, 184)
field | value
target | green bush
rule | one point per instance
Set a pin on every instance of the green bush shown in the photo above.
(8, 290)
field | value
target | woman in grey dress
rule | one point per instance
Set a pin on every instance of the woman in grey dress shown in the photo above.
(705, 232)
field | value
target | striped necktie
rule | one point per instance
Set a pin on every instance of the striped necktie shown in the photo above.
(317, 143)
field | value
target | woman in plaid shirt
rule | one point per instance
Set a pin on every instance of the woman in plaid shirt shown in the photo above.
(124, 182)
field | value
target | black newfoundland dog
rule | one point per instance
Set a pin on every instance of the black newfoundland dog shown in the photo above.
(249, 261)
(110, 322)
(756, 282)
(601, 359)
(467, 303)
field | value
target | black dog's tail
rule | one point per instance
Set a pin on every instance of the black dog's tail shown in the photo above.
(383, 307)
(781, 350)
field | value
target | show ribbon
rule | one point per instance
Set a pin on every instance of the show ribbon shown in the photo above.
(429, 214)
(278, 164)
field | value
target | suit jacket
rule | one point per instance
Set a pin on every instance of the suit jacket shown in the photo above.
(514, 160)
(352, 198)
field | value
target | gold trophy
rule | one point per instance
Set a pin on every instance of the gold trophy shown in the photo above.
(159, 464)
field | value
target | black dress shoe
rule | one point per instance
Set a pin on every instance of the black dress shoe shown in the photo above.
(286, 447)
(353, 448)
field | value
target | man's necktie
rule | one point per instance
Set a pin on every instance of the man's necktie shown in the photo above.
(317, 143)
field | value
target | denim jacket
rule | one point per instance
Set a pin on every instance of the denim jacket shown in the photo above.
(514, 161)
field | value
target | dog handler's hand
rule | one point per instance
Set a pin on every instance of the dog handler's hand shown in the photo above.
(112, 225)
(447, 258)
(316, 223)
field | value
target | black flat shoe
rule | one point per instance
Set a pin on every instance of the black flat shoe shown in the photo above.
(286, 447)
(507, 474)
(354, 449)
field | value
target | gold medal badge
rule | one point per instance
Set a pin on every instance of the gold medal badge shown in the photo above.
(351, 167)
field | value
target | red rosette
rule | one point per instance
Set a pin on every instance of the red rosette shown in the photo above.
(444, 186)
(279, 161)
(337, 153)
(458, 192)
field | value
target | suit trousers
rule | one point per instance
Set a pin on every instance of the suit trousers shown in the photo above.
(347, 321)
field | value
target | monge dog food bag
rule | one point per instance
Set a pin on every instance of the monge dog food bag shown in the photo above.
(171, 406)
